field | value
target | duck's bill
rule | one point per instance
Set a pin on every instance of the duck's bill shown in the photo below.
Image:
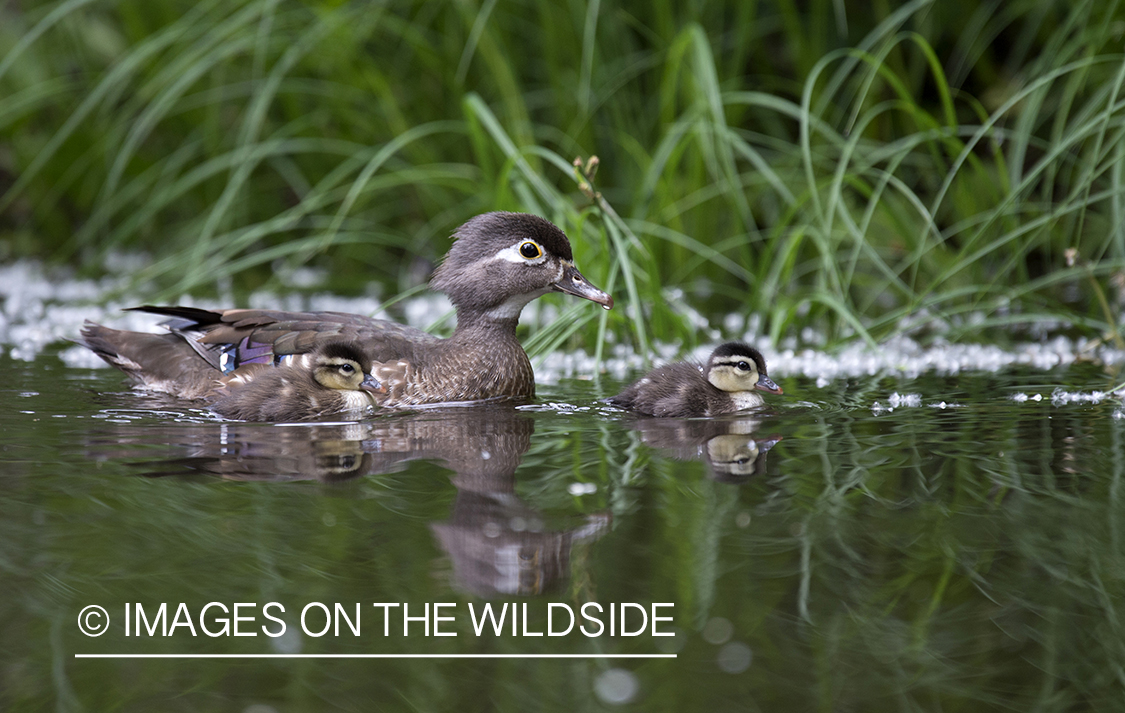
(766, 384)
(372, 385)
(573, 283)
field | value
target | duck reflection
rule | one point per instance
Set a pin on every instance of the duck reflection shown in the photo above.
(497, 542)
(731, 447)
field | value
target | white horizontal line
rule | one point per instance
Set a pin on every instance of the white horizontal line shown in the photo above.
(375, 656)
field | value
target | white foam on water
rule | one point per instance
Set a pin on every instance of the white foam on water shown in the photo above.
(40, 306)
(905, 400)
(897, 400)
(1061, 397)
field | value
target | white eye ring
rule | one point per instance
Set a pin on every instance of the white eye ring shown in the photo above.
(530, 250)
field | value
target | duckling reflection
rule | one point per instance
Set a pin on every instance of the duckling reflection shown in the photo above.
(497, 543)
(731, 447)
(329, 452)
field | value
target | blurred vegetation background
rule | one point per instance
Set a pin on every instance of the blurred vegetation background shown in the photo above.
(821, 171)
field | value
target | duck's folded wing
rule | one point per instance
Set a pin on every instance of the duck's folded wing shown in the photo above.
(229, 339)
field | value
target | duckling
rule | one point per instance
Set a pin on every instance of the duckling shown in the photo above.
(498, 263)
(328, 381)
(728, 382)
(732, 446)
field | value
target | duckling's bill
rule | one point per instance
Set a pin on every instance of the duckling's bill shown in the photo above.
(766, 384)
(372, 385)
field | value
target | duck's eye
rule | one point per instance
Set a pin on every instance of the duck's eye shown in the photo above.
(347, 369)
(742, 366)
(530, 250)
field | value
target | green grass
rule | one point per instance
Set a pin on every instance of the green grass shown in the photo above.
(927, 168)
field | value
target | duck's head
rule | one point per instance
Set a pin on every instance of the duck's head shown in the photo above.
(735, 366)
(339, 366)
(501, 261)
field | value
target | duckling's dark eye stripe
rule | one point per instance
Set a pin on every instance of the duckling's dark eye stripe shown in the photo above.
(729, 361)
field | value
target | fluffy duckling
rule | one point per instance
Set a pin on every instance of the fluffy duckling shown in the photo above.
(330, 380)
(729, 382)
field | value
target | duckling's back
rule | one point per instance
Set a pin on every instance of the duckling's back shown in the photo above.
(673, 390)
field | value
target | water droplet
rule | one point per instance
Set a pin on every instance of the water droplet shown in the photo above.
(718, 630)
(616, 686)
(735, 657)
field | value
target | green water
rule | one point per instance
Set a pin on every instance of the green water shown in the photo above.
(825, 556)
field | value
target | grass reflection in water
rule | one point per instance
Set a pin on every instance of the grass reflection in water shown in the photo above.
(897, 556)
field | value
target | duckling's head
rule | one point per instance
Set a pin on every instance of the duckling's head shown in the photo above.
(501, 261)
(735, 366)
(339, 365)
(734, 457)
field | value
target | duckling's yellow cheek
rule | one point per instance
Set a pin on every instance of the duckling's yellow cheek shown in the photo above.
(729, 379)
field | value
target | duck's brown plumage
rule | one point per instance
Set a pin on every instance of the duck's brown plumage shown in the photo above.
(685, 389)
(498, 263)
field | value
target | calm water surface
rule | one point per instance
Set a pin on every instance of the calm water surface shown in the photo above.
(952, 548)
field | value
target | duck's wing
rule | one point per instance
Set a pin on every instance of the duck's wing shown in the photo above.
(230, 339)
(158, 362)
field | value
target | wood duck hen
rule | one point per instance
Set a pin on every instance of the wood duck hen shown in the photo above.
(728, 383)
(498, 263)
(330, 380)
